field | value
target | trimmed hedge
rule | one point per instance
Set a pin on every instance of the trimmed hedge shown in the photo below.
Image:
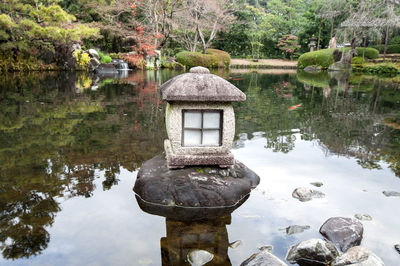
(370, 53)
(321, 58)
(324, 57)
(392, 49)
(213, 58)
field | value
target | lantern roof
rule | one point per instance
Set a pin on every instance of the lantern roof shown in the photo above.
(200, 86)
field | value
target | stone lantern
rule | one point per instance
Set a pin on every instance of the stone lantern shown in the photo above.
(312, 43)
(200, 119)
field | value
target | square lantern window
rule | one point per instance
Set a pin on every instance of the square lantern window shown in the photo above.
(202, 127)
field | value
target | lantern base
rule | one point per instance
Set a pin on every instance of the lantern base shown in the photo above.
(179, 161)
(196, 186)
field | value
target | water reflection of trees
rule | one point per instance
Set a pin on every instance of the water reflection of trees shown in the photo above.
(345, 115)
(55, 139)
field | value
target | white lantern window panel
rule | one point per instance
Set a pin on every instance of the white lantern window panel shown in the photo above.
(202, 127)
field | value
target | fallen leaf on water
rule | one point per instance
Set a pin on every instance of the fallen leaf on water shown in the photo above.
(295, 106)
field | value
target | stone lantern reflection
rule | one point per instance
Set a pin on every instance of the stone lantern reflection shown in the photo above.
(200, 119)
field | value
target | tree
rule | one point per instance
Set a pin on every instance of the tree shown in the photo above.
(199, 21)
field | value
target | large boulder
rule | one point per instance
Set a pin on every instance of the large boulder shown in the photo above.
(306, 194)
(93, 64)
(200, 186)
(93, 53)
(358, 256)
(106, 69)
(312, 252)
(263, 258)
(343, 232)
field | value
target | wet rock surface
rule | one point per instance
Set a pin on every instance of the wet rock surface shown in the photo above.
(296, 229)
(391, 193)
(363, 217)
(312, 252)
(359, 256)
(317, 184)
(193, 186)
(306, 194)
(343, 232)
(264, 257)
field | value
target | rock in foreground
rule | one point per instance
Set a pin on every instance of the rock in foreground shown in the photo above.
(343, 232)
(312, 252)
(306, 194)
(263, 258)
(359, 256)
(193, 186)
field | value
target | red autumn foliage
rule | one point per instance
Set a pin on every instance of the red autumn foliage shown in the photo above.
(146, 41)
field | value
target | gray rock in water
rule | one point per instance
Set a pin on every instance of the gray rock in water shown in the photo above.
(312, 252)
(397, 247)
(363, 217)
(391, 193)
(343, 232)
(263, 258)
(312, 69)
(193, 186)
(199, 257)
(235, 244)
(295, 229)
(317, 184)
(106, 69)
(306, 194)
(268, 248)
(358, 256)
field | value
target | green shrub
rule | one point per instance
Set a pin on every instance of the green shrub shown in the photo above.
(321, 58)
(386, 69)
(392, 49)
(213, 58)
(104, 58)
(395, 40)
(358, 60)
(370, 53)
(324, 57)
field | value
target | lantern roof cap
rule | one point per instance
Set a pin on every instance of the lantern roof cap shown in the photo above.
(200, 86)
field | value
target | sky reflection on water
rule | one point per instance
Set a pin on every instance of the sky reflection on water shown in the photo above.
(337, 138)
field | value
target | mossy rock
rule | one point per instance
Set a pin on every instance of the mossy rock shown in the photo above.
(213, 58)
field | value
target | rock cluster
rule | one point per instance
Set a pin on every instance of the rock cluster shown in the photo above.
(344, 233)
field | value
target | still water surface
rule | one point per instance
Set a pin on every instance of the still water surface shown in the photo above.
(71, 146)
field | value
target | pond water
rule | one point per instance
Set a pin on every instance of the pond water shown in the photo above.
(71, 146)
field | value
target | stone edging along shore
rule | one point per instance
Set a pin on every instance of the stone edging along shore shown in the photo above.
(263, 64)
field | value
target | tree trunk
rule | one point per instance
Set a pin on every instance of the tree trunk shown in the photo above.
(319, 35)
(386, 42)
(203, 42)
